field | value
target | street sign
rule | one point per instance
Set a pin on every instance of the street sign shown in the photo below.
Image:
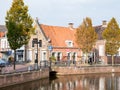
(50, 48)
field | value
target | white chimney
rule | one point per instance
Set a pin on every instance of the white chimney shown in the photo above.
(104, 23)
(71, 25)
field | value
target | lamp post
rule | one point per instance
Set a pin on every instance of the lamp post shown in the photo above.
(50, 48)
(37, 42)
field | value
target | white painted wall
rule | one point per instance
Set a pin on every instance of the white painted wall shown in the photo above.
(29, 55)
(101, 50)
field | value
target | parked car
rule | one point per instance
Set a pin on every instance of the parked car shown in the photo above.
(3, 63)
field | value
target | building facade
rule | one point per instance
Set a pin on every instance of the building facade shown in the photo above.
(58, 42)
(53, 41)
(5, 50)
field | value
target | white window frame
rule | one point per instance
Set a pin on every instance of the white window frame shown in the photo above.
(69, 43)
(44, 58)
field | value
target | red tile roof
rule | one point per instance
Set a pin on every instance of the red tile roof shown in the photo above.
(3, 29)
(59, 35)
(2, 34)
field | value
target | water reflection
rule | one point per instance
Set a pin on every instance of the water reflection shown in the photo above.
(87, 82)
(77, 82)
(34, 85)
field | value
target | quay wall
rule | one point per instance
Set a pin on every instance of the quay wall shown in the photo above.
(85, 70)
(22, 77)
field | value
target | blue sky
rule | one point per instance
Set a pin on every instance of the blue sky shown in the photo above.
(62, 12)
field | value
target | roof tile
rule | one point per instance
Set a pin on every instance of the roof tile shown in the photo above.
(59, 35)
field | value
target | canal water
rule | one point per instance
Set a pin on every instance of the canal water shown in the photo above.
(73, 82)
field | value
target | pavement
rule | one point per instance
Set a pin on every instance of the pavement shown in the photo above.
(18, 68)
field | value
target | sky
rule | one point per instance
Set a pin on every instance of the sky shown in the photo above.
(62, 12)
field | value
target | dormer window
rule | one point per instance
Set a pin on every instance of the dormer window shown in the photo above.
(69, 43)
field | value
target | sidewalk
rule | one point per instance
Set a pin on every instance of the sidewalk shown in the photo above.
(18, 68)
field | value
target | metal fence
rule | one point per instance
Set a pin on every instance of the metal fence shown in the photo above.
(69, 63)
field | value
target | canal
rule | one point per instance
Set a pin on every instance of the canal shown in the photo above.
(109, 81)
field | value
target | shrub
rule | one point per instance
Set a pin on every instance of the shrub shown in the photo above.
(11, 59)
(52, 58)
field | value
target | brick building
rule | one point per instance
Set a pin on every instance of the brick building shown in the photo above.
(55, 41)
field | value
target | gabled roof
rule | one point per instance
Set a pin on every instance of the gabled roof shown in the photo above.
(99, 29)
(58, 35)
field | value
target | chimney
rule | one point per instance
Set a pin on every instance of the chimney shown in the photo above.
(37, 20)
(104, 23)
(71, 25)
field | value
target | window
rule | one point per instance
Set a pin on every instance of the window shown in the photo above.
(68, 56)
(44, 55)
(58, 56)
(53, 54)
(69, 43)
(74, 56)
(20, 57)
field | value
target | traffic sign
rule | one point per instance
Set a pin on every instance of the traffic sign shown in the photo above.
(50, 48)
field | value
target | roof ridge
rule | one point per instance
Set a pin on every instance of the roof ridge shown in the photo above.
(54, 26)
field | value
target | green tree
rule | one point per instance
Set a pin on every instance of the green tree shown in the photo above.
(112, 36)
(19, 25)
(86, 36)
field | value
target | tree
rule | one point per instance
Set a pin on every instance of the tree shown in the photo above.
(86, 36)
(112, 36)
(19, 25)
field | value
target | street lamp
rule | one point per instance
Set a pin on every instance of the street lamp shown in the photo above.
(37, 42)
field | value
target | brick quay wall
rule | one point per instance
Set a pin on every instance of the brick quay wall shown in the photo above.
(85, 70)
(22, 77)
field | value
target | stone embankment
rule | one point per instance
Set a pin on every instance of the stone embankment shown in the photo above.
(21, 77)
(85, 70)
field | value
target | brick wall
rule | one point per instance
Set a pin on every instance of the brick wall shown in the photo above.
(16, 78)
(85, 70)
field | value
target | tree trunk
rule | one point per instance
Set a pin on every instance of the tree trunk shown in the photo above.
(112, 60)
(26, 53)
(14, 58)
